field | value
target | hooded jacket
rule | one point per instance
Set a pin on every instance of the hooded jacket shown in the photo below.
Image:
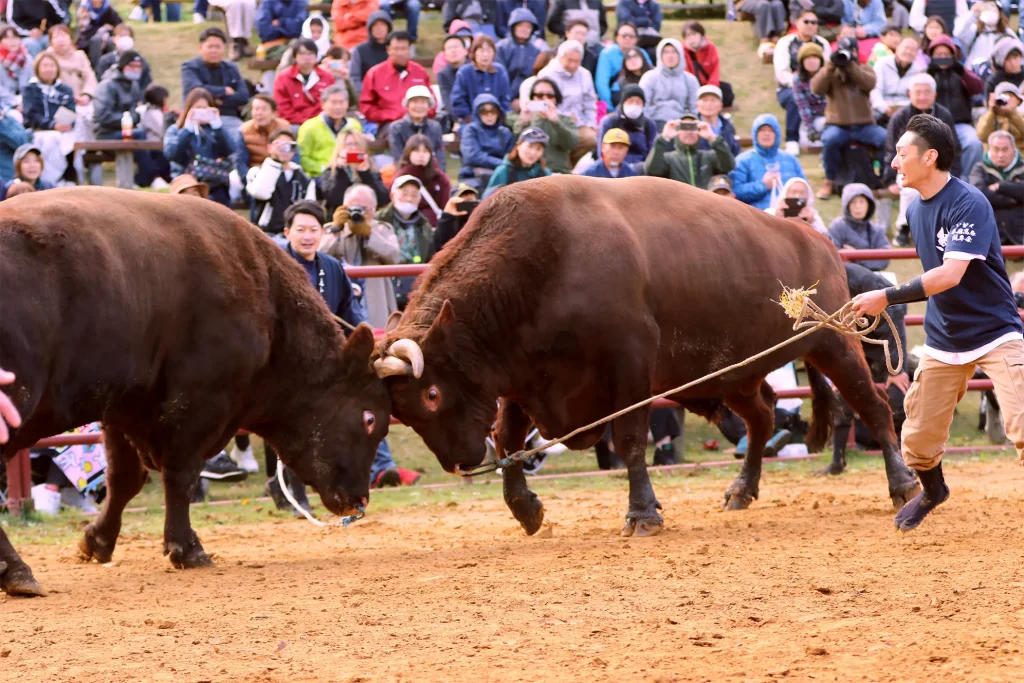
(368, 53)
(352, 20)
(40, 102)
(502, 18)
(510, 172)
(999, 54)
(670, 93)
(609, 66)
(289, 14)
(1008, 199)
(688, 163)
(471, 81)
(890, 87)
(578, 94)
(848, 93)
(110, 59)
(847, 231)
(778, 208)
(747, 183)
(483, 146)
(115, 95)
(516, 57)
(325, 41)
(642, 131)
(898, 126)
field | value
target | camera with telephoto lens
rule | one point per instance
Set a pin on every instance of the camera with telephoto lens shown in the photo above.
(841, 58)
(356, 215)
(1002, 101)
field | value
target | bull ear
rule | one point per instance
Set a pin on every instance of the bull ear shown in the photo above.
(359, 346)
(393, 320)
(442, 322)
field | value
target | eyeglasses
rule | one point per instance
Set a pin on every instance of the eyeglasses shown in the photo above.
(544, 96)
(813, 22)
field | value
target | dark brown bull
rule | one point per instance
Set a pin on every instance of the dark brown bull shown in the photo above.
(175, 323)
(570, 298)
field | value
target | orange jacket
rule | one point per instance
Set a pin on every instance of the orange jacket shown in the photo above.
(349, 18)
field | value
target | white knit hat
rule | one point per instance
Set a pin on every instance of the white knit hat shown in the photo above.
(417, 91)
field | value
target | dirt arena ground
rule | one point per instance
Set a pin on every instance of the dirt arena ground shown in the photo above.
(811, 583)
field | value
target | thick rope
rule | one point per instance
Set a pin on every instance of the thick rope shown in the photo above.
(798, 305)
(344, 521)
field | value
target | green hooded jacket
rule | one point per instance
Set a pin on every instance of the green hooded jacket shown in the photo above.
(686, 163)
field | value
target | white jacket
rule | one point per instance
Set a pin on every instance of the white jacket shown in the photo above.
(918, 18)
(977, 46)
(781, 60)
(890, 88)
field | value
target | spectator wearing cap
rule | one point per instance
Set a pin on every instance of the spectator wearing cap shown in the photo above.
(318, 136)
(980, 30)
(518, 51)
(28, 168)
(299, 88)
(561, 131)
(413, 230)
(277, 183)
(629, 116)
(609, 63)
(709, 110)
(278, 22)
(645, 15)
(456, 55)
(762, 171)
(579, 99)
(484, 141)
(892, 79)
(525, 161)
(1003, 114)
(615, 145)
(1006, 64)
(955, 87)
(455, 214)
(364, 30)
(256, 131)
(786, 62)
(676, 155)
(721, 185)
(1000, 177)
(124, 40)
(480, 75)
(702, 60)
(810, 105)
(670, 90)
(418, 102)
(867, 17)
(385, 85)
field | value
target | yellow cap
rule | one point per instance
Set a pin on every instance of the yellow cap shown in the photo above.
(615, 136)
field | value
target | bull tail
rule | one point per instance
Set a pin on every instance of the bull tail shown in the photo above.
(823, 410)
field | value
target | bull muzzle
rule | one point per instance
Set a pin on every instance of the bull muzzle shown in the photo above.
(404, 357)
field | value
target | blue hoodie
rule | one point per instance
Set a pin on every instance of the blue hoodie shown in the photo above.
(483, 146)
(516, 57)
(290, 15)
(752, 165)
(502, 25)
(469, 82)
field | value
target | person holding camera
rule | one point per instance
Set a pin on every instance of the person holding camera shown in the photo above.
(846, 85)
(796, 202)
(350, 164)
(541, 111)
(676, 154)
(198, 144)
(277, 184)
(465, 198)
(1000, 177)
(1002, 114)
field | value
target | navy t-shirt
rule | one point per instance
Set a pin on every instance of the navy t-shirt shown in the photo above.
(959, 220)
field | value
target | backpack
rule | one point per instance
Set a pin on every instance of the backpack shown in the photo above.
(856, 165)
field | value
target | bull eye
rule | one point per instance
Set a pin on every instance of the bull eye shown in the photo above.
(369, 420)
(432, 398)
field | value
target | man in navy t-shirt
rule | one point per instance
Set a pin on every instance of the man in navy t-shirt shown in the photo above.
(971, 318)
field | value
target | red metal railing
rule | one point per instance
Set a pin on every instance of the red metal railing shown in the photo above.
(19, 477)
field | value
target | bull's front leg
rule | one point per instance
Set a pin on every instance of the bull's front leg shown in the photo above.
(629, 433)
(15, 576)
(510, 436)
(181, 543)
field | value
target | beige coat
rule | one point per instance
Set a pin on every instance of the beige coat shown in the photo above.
(76, 71)
(379, 249)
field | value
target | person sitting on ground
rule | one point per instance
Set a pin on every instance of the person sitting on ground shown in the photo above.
(955, 87)
(28, 168)
(670, 90)
(411, 9)
(854, 229)
(480, 75)
(42, 98)
(350, 164)
(353, 20)
(31, 19)
(371, 43)
(15, 67)
(765, 169)
(1003, 113)
(615, 144)
(887, 44)
(385, 85)
(610, 62)
(769, 20)
(702, 60)
(525, 161)
(676, 155)
(644, 14)
(277, 183)
(847, 85)
(1000, 177)
(299, 88)
(541, 111)
(892, 79)
(419, 161)
(278, 23)
(810, 105)
(455, 215)
(722, 186)
(197, 144)
(318, 136)
(221, 79)
(979, 31)
(413, 230)
(786, 62)
(518, 52)
(629, 117)
(318, 29)
(256, 131)
(867, 17)
(337, 61)
(560, 12)
(75, 68)
(709, 110)
(634, 65)
(796, 201)
(12, 136)
(503, 16)
(579, 99)
(484, 141)
(1006, 64)
(456, 55)
(579, 30)
(124, 40)
(94, 34)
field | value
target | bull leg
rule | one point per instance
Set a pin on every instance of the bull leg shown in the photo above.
(758, 412)
(843, 363)
(510, 436)
(15, 576)
(181, 543)
(629, 433)
(125, 478)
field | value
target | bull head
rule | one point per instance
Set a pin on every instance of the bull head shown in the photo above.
(404, 357)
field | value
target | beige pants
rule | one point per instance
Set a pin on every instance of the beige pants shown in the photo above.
(939, 387)
(239, 16)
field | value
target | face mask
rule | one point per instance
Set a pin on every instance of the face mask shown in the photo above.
(406, 209)
(133, 75)
(124, 43)
(989, 17)
(943, 62)
(632, 111)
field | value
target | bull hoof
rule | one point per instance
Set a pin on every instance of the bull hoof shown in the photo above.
(832, 469)
(904, 495)
(19, 582)
(193, 557)
(91, 547)
(641, 526)
(529, 512)
(737, 497)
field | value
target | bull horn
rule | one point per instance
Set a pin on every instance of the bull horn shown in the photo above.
(390, 366)
(409, 351)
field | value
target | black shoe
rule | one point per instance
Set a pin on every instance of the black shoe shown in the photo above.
(934, 492)
(221, 468)
(200, 491)
(607, 459)
(388, 478)
(665, 455)
(902, 238)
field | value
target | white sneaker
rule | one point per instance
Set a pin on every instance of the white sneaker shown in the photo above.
(159, 184)
(198, 18)
(792, 148)
(245, 459)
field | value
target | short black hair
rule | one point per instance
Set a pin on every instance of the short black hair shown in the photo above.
(212, 32)
(156, 95)
(306, 206)
(398, 35)
(625, 23)
(280, 133)
(306, 43)
(935, 135)
(263, 97)
(554, 86)
(573, 23)
(889, 28)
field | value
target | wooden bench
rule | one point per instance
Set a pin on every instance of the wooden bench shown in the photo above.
(264, 64)
(121, 152)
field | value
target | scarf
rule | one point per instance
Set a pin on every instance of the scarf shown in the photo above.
(987, 160)
(95, 14)
(13, 61)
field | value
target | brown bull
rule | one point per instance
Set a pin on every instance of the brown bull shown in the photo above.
(175, 323)
(570, 298)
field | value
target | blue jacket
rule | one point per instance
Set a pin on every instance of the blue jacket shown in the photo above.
(290, 14)
(727, 131)
(647, 15)
(871, 18)
(469, 83)
(181, 146)
(483, 146)
(502, 18)
(12, 136)
(516, 57)
(38, 108)
(752, 165)
(39, 184)
(333, 285)
(609, 66)
(642, 134)
(196, 74)
(599, 170)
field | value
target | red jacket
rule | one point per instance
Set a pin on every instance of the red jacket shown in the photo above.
(707, 57)
(384, 88)
(298, 102)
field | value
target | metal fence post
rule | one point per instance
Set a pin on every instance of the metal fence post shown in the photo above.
(19, 483)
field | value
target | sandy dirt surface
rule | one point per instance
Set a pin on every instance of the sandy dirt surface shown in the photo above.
(811, 583)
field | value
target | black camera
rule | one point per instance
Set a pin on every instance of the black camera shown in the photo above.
(1002, 101)
(356, 215)
(1018, 298)
(841, 58)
